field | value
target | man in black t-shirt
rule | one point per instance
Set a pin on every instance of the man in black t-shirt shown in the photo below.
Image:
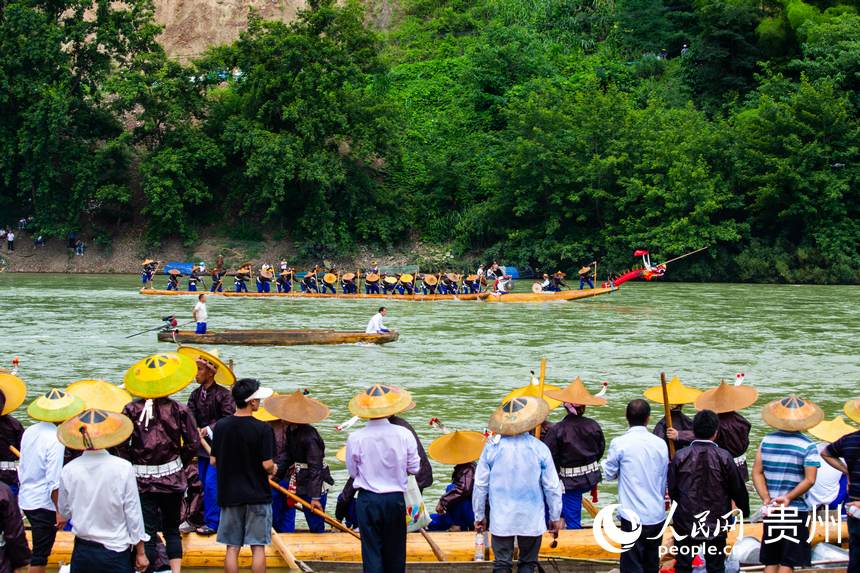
(242, 452)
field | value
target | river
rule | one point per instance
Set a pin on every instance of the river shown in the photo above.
(459, 358)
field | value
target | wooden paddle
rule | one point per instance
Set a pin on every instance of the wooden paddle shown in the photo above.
(305, 505)
(589, 507)
(284, 551)
(437, 551)
(540, 395)
(668, 413)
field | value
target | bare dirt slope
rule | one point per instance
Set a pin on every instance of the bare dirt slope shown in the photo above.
(191, 26)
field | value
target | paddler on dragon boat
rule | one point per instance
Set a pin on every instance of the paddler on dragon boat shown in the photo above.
(347, 283)
(195, 277)
(406, 284)
(389, 283)
(285, 280)
(164, 440)
(450, 284)
(12, 394)
(264, 279)
(148, 271)
(472, 283)
(309, 282)
(302, 461)
(371, 279)
(734, 433)
(208, 403)
(173, 276)
(576, 444)
(243, 275)
(681, 431)
(429, 283)
(585, 277)
(461, 449)
(217, 275)
(329, 281)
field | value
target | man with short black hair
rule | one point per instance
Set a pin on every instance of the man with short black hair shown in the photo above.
(375, 325)
(639, 461)
(704, 479)
(844, 455)
(242, 452)
(200, 313)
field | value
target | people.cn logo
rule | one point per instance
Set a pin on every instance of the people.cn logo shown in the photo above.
(605, 530)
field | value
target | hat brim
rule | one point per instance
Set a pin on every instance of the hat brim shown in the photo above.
(39, 410)
(851, 409)
(532, 390)
(100, 395)
(727, 398)
(507, 425)
(261, 394)
(459, 447)
(340, 454)
(113, 430)
(832, 430)
(297, 408)
(680, 396)
(576, 393)
(775, 417)
(224, 375)
(14, 390)
(401, 405)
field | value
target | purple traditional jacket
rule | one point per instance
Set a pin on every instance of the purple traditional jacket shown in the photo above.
(11, 431)
(171, 434)
(208, 406)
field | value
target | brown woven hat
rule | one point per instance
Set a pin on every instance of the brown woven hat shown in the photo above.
(460, 447)
(372, 278)
(727, 398)
(518, 415)
(329, 278)
(173, 272)
(348, 276)
(94, 430)
(430, 280)
(380, 401)
(792, 414)
(851, 409)
(296, 408)
(390, 280)
(576, 393)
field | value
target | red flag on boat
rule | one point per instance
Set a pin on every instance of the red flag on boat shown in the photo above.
(640, 253)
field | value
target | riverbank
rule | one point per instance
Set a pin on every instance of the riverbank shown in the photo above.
(123, 255)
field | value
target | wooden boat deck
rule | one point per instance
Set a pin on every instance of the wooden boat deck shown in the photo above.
(277, 337)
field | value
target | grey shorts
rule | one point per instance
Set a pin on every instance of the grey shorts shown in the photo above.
(245, 525)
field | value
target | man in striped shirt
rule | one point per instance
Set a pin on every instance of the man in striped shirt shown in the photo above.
(785, 468)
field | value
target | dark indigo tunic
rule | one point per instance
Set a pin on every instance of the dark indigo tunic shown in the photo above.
(208, 406)
(463, 479)
(704, 477)
(15, 553)
(734, 437)
(11, 431)
(682, 423)
(304, 445)
(171, 434)
(576, 441)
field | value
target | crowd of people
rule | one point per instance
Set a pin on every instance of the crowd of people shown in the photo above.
(133, 469)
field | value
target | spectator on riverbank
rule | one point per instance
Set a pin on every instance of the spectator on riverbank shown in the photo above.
(79, 248)
(10, 241)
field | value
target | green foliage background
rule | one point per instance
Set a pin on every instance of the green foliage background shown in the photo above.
(541, 132)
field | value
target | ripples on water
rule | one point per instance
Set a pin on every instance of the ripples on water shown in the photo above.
(460, 358)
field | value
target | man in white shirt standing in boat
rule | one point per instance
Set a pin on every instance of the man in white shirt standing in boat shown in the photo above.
(200, 314)
(376, 326)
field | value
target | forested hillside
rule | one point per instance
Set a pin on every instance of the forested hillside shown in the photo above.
(542, 132)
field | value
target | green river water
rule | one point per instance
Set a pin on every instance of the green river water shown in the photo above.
(459, 358)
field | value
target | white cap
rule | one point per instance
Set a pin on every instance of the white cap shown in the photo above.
(260, 394)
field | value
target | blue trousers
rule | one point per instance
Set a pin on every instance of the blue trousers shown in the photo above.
(284, 518)
(241, 286)
(263, 286)
(209, 479)
(326, 288)
(383, 531)
(571, 508)
(192, 287)
(201, 328)
(583, 281)
(171, 286)
(217, 286)
(371, 288)
(91, 557)
(459, 514)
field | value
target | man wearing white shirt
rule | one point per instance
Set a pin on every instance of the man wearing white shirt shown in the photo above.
(200, 314)
(639, 460)
(39, 474)
(376, 326)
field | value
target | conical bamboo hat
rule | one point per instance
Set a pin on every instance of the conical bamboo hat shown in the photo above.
(224, 375)
(55, 406)
(380, 401)
(460, 447)
(518, 415)
(727, 398)
(677, 392)
(851, 409)
(94, 429)
(832, 430)
(792, 414)
(100, 395)
(576, 393)
(297, 408)
(14, 390)
(533, 390)
(160, 375)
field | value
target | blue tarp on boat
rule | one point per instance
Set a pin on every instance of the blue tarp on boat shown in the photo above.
(184, 268)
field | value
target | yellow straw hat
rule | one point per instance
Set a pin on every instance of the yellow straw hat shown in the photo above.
(533, 390)
(677, 392)
(792, 414)
(100, 395)
(380, 401)
(832, 430)
(727, 398)
(55, 406)
(14, 390)
(518, 415)
(296, 408)
(160, 375)
(340, 455)
(851, 409)
(264, 415)
(94, 430)
(430, 280)
(576, 393)
(460, 447)
(224, 375)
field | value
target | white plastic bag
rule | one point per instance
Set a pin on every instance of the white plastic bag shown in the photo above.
(417, 516)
